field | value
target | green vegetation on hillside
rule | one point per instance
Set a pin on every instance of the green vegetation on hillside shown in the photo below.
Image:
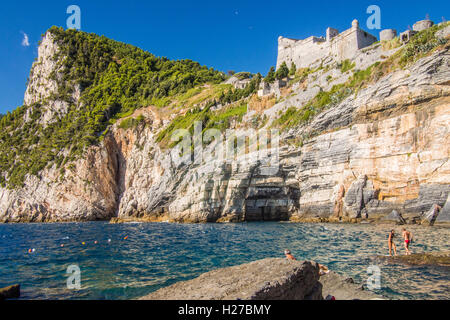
(346, 65)
(234, 95)
(282, 72)
(115, 79)
(270, 77)
(218, 119)
(421, 45)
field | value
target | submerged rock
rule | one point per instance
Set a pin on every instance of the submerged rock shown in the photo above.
(419, 259)
(342, 288)
(268, 279)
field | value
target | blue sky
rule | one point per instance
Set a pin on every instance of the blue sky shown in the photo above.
(227, 35)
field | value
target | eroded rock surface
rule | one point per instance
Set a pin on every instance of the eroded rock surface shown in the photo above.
(268, 279)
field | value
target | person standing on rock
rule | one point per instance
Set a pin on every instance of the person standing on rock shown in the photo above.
(407, 236)
(391, 243)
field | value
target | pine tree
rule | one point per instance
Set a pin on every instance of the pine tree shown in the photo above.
(270, 76)
(282, 72)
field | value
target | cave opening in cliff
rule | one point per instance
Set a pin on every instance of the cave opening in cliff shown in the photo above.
(259, 210)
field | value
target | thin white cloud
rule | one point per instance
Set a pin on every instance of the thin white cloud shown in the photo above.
(25, 40)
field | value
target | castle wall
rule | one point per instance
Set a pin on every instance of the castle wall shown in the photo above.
(344, 46)
(302, 52)
(365, 39)
(340, 46)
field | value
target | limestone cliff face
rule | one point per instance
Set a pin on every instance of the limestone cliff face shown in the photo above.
(385, 148)
(393, 152)
(44, 82)
(88, 191)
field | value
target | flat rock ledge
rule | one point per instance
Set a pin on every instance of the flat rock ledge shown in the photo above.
(420, 259)
(268, 279)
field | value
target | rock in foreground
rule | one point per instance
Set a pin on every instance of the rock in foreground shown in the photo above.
(11, 292)
(268, 279)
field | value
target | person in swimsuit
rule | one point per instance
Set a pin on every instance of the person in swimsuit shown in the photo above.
(288, 255)
(391, 243)
(407, 237)
(322, 269)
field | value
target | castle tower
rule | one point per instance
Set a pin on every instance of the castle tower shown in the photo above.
(388, 34)
(355, 24)
(331, 33)
(422, 25)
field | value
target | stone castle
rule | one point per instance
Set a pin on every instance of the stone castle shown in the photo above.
(337, 46)
(340, 46)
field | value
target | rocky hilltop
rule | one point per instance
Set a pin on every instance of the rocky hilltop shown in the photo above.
(92, 141)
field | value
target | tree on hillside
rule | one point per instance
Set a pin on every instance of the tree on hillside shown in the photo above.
(270, 76)
(282, 72)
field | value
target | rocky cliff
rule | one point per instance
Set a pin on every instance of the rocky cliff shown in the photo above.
(383, 145)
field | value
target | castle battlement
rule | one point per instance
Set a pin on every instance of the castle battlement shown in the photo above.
(339, 46)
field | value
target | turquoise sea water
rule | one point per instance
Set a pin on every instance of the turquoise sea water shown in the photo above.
(158, 254)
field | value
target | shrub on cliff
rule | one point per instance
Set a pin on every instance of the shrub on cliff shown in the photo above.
(346, 65)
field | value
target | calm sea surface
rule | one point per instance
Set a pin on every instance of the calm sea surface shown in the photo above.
(158, 254)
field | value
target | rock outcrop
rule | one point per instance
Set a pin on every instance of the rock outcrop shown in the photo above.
(395, 217)
(11, 292)
(444, 214)
(268, 279)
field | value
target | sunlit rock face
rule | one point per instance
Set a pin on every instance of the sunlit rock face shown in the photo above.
(393, 155)
(385, 148)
